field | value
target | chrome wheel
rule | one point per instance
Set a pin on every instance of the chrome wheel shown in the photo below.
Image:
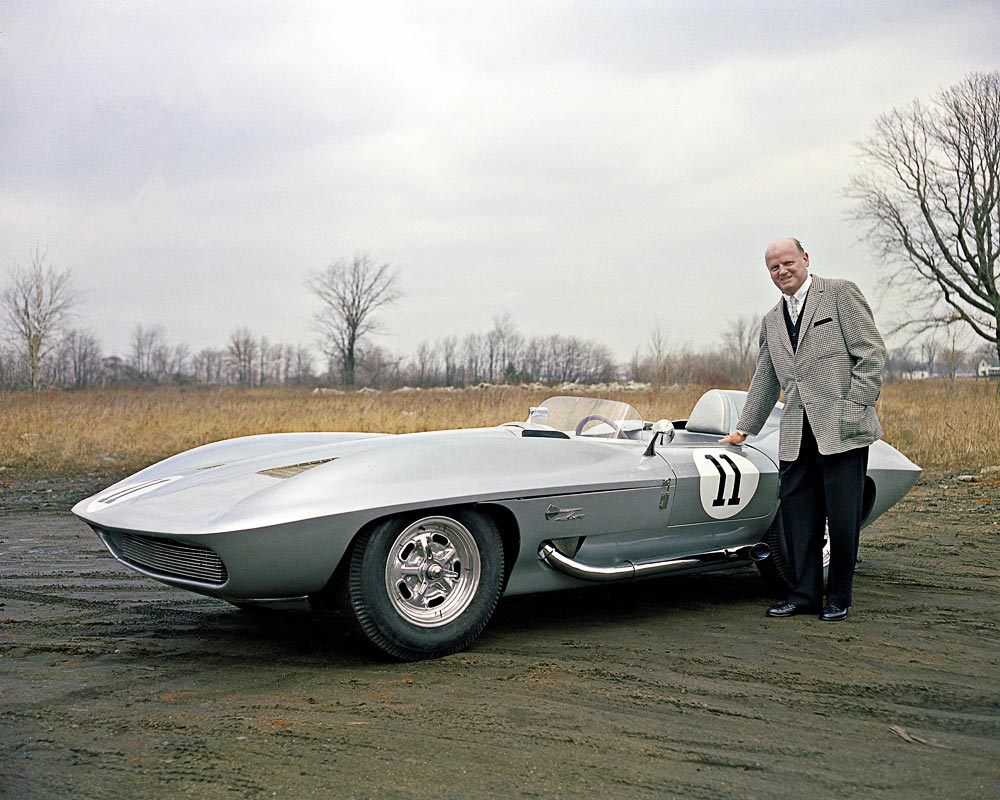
(433, 571)
(424, 586)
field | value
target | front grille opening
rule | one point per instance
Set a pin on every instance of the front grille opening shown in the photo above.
(169, 558)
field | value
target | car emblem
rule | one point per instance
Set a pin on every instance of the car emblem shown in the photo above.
(562, 514)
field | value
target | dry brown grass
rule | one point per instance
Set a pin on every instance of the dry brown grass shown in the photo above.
(944, 426)
(113, 431)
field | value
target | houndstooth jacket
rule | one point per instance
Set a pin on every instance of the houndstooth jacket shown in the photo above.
(834, 375)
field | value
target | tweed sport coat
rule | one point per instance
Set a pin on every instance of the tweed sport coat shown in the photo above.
(834, 375)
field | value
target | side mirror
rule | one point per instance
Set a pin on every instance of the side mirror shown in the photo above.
(663, 429)
(538, 414)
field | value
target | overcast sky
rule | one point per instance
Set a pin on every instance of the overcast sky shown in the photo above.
(592, 168)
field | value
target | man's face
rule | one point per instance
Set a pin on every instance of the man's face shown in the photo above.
(788, 267)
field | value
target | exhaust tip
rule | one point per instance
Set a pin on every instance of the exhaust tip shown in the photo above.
(759, 551)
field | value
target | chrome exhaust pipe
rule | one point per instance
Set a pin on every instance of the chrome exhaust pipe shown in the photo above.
(637, 569)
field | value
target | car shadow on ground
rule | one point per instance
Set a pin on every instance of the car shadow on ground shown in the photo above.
(626, 603)
(222, 633)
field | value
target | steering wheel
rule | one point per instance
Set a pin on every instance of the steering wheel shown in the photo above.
(619, 433)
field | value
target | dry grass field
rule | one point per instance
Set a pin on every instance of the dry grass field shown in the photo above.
(119, 686)
(114, 431)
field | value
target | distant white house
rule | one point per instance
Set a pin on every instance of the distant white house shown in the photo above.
(916, 375)
(987, 370)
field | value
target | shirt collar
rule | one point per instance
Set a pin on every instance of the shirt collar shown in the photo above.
(800, 295)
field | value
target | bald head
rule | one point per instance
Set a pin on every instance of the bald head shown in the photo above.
(788, 263)
(786, 241)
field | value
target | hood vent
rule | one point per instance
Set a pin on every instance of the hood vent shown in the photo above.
(291, 470)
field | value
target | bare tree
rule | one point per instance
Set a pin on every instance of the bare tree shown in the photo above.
(900, 361)
(929, 191)
(953, 353)
(179, 356)
(36, 303)
(449, 353)
(426, 364)
(266, 361)
(929, 353)
(504, 345)
(301, 365)
(377, 366)
(657, 356)
(560, 359)
(351, 293)
(242, 352)
(208, 365)
(472, 354)
(740, 339)
(147, 346)
(10, 366)
(83, 354)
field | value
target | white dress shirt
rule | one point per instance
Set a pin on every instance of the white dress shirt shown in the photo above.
(794, 309)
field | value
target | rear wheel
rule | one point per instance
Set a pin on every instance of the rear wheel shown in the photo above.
(777, 569)
(424, 587)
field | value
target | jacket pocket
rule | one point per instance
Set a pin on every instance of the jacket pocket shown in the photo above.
(854, 420)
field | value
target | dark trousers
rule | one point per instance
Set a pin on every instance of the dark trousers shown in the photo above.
(817, 490)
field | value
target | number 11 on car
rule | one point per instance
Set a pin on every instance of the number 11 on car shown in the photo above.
(728, 481)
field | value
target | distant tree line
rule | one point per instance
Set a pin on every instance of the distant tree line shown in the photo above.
(77, 362)
(935, 358)
(503, 355)
(41, 348)
(500, 355)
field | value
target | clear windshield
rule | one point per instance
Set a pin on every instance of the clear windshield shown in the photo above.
(586, 416)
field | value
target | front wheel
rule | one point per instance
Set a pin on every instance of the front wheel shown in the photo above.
(424, 587)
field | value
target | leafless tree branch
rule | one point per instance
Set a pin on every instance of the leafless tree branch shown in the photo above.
(928, 192)
(36, 303)
(351, 292)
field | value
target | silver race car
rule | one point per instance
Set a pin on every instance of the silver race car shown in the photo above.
(417, 535)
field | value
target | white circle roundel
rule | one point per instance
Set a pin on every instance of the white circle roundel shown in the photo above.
(727, 481)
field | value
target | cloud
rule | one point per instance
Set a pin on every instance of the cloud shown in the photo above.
(589, 167)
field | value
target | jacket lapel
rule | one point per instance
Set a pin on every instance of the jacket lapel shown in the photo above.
(777, 318)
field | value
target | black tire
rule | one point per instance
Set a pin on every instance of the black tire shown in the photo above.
(777, 569)
(424, 586)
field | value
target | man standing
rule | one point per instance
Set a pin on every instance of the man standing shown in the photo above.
(820, 345)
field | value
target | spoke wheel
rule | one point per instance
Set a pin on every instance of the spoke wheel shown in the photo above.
(425, 586)
(433, 571)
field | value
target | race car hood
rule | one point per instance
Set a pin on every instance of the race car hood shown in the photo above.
(260, 481)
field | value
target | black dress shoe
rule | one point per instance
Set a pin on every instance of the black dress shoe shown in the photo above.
(786, 609)
(832, 613)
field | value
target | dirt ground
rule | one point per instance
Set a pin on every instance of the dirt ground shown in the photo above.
(113, 686)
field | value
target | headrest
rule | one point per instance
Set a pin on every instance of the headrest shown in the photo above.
(717, 411)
